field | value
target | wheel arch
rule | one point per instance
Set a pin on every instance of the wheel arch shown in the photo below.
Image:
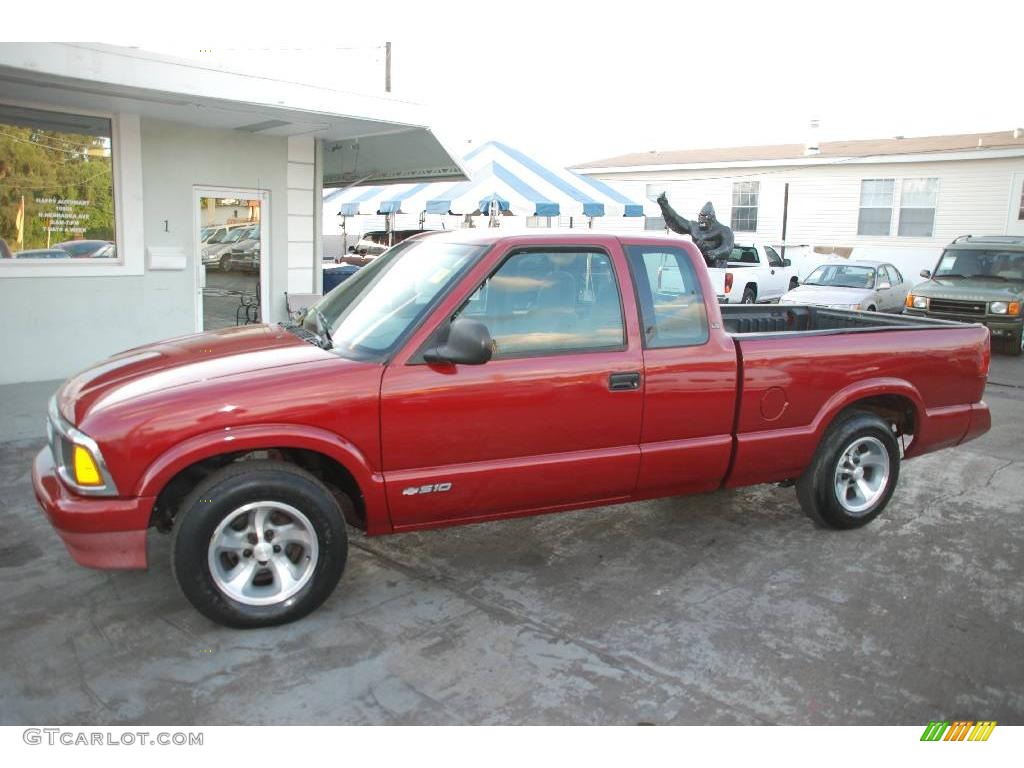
(334, 460)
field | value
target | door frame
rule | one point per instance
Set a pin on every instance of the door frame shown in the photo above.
(199, 271)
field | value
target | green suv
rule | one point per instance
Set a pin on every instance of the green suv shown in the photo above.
(977, 280)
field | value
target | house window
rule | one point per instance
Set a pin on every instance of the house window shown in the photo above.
(56, 188)
(917, 207)
(744, 205)
(875, 206)
(652, 191)
(538, 221)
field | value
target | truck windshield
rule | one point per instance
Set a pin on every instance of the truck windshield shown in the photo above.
(372, 311)
(1004, 265)
(842, 276)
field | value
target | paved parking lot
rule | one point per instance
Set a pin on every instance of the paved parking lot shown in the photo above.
(221, 297)
(724, 608)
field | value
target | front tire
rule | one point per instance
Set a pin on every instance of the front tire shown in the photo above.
(225, 263)
(259, 543)
(853, 473)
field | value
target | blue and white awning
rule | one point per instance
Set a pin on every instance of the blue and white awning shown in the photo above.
(500, 175)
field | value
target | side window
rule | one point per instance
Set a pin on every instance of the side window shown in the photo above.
(884, 276)
(773, 258)
(895, 275)
(671, 300)
(541, 303)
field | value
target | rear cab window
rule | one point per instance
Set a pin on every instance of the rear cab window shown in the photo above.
(671, 300)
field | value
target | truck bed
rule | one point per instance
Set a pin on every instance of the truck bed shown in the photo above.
(760, 319)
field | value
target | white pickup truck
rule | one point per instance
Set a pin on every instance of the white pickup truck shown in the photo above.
(755, 274)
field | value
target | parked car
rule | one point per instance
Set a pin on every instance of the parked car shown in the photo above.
(872, 286)
(83, 249)
(42, 253)
(216, 233)
(244, 254)
(475, 376)
(218, 253)
(755, 274)
(977, 280)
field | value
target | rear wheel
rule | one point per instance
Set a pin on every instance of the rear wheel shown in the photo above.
(225, 263)
(793, 283)
(853, 473)
(749, 295)
(259, 543)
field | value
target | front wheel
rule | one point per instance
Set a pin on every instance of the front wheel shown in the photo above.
(225, 263)
(853, 473)
(259, 543)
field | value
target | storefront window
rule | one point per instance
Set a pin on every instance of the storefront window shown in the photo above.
(56, 188)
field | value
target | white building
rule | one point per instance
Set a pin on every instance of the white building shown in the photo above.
(167, 139)
(900, 199)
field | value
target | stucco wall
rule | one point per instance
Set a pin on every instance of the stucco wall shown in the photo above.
(55, 326)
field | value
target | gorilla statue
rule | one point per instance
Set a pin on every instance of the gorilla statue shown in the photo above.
(714, 239)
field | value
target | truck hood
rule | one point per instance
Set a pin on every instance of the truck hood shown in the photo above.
(182, 361)
(826, 295)
(970, 289)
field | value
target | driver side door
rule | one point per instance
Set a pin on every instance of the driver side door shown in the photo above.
(551, 421)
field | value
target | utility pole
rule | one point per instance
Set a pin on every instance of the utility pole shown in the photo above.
(387, 67)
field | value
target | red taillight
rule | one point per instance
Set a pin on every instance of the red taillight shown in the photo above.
(728, 282)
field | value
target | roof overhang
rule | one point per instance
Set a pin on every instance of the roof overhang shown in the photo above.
(812, 160)
(366, 137)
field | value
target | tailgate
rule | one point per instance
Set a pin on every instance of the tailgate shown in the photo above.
(717, 277)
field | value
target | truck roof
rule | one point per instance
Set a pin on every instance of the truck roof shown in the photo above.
(489, 235)
(1001, 242)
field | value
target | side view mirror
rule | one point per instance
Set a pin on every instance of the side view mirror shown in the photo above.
(787, 262)
(926, 273)
(468, 343)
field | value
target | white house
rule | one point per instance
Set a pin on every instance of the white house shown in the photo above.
(900, 199)
(158, 148)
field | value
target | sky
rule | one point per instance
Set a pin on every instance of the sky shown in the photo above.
(574, 82)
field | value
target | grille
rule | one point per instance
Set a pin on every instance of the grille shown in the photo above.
(952, 307)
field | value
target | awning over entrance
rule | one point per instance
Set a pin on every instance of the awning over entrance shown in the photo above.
(366, 138)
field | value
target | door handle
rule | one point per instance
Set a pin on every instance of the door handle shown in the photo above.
(624, 381)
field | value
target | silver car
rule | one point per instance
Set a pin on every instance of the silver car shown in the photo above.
(872, 286)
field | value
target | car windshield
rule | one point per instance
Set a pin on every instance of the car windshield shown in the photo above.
(237, 234)
(372, 311)
(218, 235)
(842, 276)
(1001, 265)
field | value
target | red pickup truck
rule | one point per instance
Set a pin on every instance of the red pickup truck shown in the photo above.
(474, 376)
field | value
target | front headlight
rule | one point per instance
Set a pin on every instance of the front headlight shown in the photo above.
(77, 457)
(998, 307)
(919, 302)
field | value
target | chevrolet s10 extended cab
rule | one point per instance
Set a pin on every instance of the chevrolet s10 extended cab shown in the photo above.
(474, 376)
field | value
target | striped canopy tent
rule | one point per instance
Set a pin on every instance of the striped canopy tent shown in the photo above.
(501, 178)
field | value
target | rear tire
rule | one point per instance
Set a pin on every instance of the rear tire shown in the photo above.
(749, 295)
(793, 283)
(259, 543)
(225, 263)
(853, 473)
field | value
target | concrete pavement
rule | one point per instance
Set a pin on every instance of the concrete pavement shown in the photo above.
(725, 608)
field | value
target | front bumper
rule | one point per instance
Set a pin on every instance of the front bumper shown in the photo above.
(99, 532)
(1001, 326)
